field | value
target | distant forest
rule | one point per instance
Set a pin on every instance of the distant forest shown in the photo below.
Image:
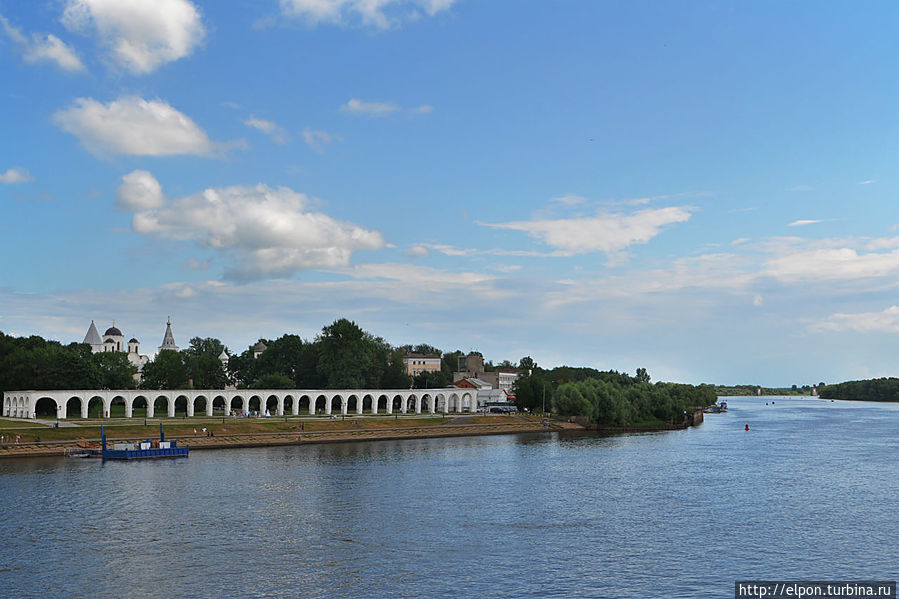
(607, 398)
(732, 390)
(885, 389)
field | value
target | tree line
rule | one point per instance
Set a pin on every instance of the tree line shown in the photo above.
(607, 398)
(882, 389)
(342, 356)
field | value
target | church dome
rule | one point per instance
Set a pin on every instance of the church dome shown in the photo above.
(113, 331)
(133, 340)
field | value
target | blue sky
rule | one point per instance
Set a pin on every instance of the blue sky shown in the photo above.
(703, 189)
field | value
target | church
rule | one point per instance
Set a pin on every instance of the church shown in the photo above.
(113, 340)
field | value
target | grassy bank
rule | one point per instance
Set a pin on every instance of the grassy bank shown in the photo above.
(240, 432)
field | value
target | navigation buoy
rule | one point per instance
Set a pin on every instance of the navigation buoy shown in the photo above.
(747, 427)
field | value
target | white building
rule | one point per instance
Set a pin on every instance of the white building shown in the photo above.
(113, 340)
(418, 363)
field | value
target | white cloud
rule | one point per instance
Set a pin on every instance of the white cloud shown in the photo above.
(379, 109)
(417, 275)
(357, 106)
(867, 182)
(15, 175)
(317, 139)
(139, 191)
(800, 223)
(886, 321)
(194, 264)
(141, 35)
(570, 200)
(133, 126)
(605, 233)
(832, 264)
(278, 135)
(740, 241)
(381, 14)
(883, 243)
(418, 251)
(43, 48)
(262, 232)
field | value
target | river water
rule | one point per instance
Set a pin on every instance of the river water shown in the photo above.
(811, 491)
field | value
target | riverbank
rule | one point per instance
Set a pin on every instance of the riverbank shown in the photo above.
(235, 434)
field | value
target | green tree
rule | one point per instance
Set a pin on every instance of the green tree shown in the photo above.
(350, 358)
(167, 370)
(570, 401)
(274, 381)
(642, 376)
(205, 369)
(114, 370)
(242, 369)
(395, 375)
(449, 363)
(430, 379)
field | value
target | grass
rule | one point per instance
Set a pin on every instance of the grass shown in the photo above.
(135, 428)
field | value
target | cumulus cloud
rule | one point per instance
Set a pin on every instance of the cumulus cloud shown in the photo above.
(885, 321)
(270, 128)
(43, 48)
(15, 175)
(605, 233)
(139, 191)
(262, 232)
(381, 14)
(141, 35)
(133, 126)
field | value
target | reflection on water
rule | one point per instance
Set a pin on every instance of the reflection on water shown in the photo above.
(809, 492)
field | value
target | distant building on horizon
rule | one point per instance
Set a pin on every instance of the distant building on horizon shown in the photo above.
(472, 367)
(417, 363)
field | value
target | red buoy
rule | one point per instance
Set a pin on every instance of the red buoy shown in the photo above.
(747, 427)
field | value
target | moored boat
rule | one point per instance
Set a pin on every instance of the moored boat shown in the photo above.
(151, 448)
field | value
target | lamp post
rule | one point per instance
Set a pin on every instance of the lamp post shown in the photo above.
(544, 399)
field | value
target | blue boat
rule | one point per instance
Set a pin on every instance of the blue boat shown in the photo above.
(143, 450)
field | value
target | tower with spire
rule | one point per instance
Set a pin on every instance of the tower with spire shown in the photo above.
(168, 341)
(92, 338)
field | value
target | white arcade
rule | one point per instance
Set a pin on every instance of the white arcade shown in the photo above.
(275, 402)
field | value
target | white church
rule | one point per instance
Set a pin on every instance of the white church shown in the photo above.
(113, 340)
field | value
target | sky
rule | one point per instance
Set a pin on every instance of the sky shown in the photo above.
(704, 189)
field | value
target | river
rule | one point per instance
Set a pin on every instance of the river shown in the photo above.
(810, 492)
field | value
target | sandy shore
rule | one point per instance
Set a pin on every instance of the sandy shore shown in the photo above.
(238, 440)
